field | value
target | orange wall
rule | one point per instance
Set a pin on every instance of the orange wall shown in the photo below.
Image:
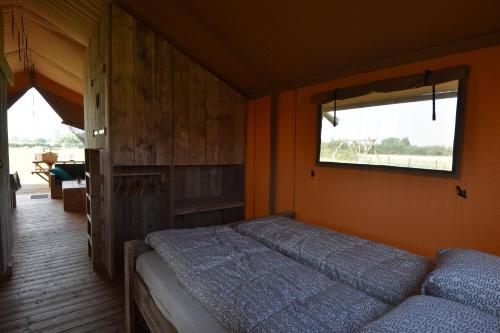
(416, 212)
(258, 158)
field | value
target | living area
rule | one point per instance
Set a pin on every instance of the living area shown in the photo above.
(46, 155)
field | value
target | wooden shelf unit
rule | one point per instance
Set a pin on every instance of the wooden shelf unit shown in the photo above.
(94, 205)
(205, 195)
(207, 204)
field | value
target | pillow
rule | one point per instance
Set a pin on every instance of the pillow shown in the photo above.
(430, 314)
(466, 276)
(60, 173)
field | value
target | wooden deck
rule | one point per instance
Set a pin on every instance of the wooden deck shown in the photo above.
(53, 288)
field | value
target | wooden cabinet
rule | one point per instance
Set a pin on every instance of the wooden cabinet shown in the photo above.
(174, 134)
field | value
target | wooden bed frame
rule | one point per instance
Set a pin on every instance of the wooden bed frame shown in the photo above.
(137, 294)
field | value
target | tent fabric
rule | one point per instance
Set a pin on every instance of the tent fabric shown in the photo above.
(58, 32)
(396, 84)
(262, 46)
(66, 103)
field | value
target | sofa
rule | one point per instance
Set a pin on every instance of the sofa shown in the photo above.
(73, 171)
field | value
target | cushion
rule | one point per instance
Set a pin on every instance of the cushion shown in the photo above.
(389, 274)
(430, 314)
(60, 173)
(466, 276)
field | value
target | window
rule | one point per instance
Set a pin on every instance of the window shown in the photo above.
(415, 129)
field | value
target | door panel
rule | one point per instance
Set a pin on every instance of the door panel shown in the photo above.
(5, 204)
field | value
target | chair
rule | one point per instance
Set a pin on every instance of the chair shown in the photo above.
(15, 185)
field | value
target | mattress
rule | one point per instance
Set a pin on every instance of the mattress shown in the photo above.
(187, 314)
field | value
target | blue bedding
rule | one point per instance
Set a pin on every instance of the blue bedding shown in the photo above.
(386, 273)
(251, 288)
(434, 315)
(466, 276)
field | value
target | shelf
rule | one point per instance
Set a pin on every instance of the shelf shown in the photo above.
(206, 204)
(138, 174)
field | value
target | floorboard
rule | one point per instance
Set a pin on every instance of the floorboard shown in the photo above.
(53, 288)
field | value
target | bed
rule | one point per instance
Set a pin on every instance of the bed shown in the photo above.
(217, 271)
(146, 275)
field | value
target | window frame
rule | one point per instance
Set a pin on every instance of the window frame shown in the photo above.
(457, 144)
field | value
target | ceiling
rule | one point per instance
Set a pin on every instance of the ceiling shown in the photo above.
(259, 46)
(58, 32)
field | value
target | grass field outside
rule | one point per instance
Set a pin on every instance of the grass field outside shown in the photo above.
(407, 161)
(21, 160)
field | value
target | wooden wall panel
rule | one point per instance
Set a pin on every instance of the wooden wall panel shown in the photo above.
(164, 96)
(225, 138)
(239, 109)
(164, 110)
(197, 115)
(96, 86)
(212, 119)
(122, 126)
(181, 108)
(144, 108)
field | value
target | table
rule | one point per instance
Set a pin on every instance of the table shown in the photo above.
(41, 170)
(74, 196)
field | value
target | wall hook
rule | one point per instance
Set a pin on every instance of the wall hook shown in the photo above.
(461, 192)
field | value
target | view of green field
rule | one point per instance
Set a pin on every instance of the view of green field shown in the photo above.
(390, 152)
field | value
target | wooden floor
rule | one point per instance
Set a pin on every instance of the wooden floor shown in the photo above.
(53, 288)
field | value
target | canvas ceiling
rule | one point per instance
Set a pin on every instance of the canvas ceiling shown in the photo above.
(58, 32)
(260, 46)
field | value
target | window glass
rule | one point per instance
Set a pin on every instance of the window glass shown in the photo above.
(395, 129)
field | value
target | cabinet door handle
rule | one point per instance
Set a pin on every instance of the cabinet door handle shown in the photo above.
(1, 163)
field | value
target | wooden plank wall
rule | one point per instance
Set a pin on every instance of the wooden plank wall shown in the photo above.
(162, 110)
(96, 90)
(158, 84)
(136, 214)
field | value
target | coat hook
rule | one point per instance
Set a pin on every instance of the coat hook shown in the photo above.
(461, 192)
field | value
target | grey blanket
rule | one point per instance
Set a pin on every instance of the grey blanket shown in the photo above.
(386, 273)
(251, 288)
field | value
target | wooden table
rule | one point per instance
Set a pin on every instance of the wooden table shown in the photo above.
(74, 196)
(42, 169)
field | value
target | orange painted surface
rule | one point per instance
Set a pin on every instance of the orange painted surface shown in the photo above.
(258, 167)
(250, 163)
(285, 150)
(416, 212)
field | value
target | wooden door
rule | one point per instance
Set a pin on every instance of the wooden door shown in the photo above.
(5, 200)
